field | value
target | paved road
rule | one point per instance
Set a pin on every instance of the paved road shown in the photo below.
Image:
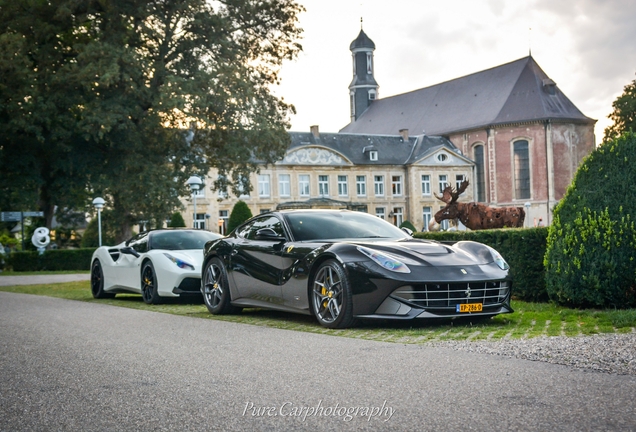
(69, 365)
(42, 279)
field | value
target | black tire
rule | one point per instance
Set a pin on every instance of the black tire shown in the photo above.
(330, 296)
(149, 285)
(216, 290)
(97, 282)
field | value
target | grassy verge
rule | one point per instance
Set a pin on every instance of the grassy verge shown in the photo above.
(529, 320)
(37, 273)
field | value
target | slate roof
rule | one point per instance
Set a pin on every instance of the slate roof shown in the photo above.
(514, 92)
(362, 41)
(392, 149)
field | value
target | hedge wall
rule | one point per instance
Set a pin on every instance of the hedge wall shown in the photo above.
(523, 249)
(65, 259)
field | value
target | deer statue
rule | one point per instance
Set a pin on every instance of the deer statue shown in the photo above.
(473, 215)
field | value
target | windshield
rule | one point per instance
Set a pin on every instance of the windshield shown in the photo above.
(328, 225)
(181, 240)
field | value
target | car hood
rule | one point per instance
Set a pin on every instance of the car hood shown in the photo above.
(429, 252)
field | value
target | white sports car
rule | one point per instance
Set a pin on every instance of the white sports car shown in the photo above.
(158, 263)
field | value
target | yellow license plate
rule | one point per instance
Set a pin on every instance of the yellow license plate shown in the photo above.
(470, 307)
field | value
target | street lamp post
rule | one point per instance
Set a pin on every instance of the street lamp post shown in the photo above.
(195, 184)
(99, 205)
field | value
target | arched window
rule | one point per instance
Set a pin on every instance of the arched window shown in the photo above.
(481, 173)
(521, 160)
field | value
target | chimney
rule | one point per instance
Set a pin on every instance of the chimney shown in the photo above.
(314, 131)
(405, 134)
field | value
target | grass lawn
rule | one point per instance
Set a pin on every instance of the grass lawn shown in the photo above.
(529, 319)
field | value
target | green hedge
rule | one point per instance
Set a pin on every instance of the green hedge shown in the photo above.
(66, 259)
(523, 249)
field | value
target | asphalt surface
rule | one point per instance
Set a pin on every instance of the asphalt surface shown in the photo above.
(69, 365)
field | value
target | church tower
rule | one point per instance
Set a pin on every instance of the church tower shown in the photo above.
(363, 88)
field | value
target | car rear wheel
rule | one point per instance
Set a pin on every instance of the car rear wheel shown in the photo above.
(149, 285)
(216, 291)
(97, 282)
(331, 299)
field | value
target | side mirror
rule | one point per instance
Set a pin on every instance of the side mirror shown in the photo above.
(268, 234)
(408, 231)
(129, 251)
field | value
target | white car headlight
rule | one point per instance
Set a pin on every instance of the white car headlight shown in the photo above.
(385, 260)
(180, 263)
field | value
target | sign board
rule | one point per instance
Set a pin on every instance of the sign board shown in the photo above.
(17, 217)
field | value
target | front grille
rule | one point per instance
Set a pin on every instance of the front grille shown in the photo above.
(192, 285)
(448, 295)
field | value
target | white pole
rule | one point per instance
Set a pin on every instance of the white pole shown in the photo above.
(99, 225)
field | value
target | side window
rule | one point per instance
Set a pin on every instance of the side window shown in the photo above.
(265, 222)
(139, 242)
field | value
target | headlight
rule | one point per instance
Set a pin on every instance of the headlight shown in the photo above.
(385, 260)
(180, 263)
(501, 263)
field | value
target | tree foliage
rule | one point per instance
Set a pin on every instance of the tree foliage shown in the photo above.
(624, 113)
(590, 251)
(127, 99)
(240, 213)
(176, 221)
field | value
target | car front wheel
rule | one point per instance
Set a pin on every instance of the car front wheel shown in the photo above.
(97, 282)
(149, 285)
(216, 291)
(331, 299)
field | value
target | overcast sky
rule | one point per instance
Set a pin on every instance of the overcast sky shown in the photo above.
(588, 47)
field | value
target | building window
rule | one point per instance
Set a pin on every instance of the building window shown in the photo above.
(398, 216)
(343, 188)
(369, 63)
(378, 185)
(459, 178)
(442, 157)
(426, 216)
(352, 102)
(303, 185)
(443, 226)
(522, 169)
(480, 172)
(199, 222)
(372, 94)
(199, 193)
(361, 185)
(443, 181)
(284, 183)
(426, 184)
(373, 155)
(379, 212)
(263, 185)
(323, 185)
(243, 187)
(396, 185)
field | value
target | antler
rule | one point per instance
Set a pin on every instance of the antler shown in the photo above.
(450, 195)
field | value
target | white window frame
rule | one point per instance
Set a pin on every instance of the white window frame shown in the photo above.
(343, 186)
(264, 187)
(284, 185)
(199, 221)
(378, 185)
(398, 216)
(323, 185)
(442, 181)
(427, 215)
(380, 212)
(361, 185)
(304, 185)
(459, 178)
(396, 185)
(426, 184)
(373, 155)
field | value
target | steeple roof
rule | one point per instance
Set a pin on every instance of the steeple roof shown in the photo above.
(362, 41)
(514, 92)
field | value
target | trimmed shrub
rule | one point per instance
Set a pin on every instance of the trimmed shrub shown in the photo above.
(52, 260)
(176, 221)
(591, 243)
(240, 213)
(523, 249)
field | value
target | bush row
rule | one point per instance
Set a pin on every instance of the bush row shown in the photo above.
(523, 249)
(52, 260)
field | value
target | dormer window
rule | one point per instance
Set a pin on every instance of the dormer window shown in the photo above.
(373, 155)
(442, 157)
(372, 94)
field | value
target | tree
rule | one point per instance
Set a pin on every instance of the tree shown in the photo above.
(240, 213)
(589, 259)
(624, 114)
(127, 99)
(176, 221)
